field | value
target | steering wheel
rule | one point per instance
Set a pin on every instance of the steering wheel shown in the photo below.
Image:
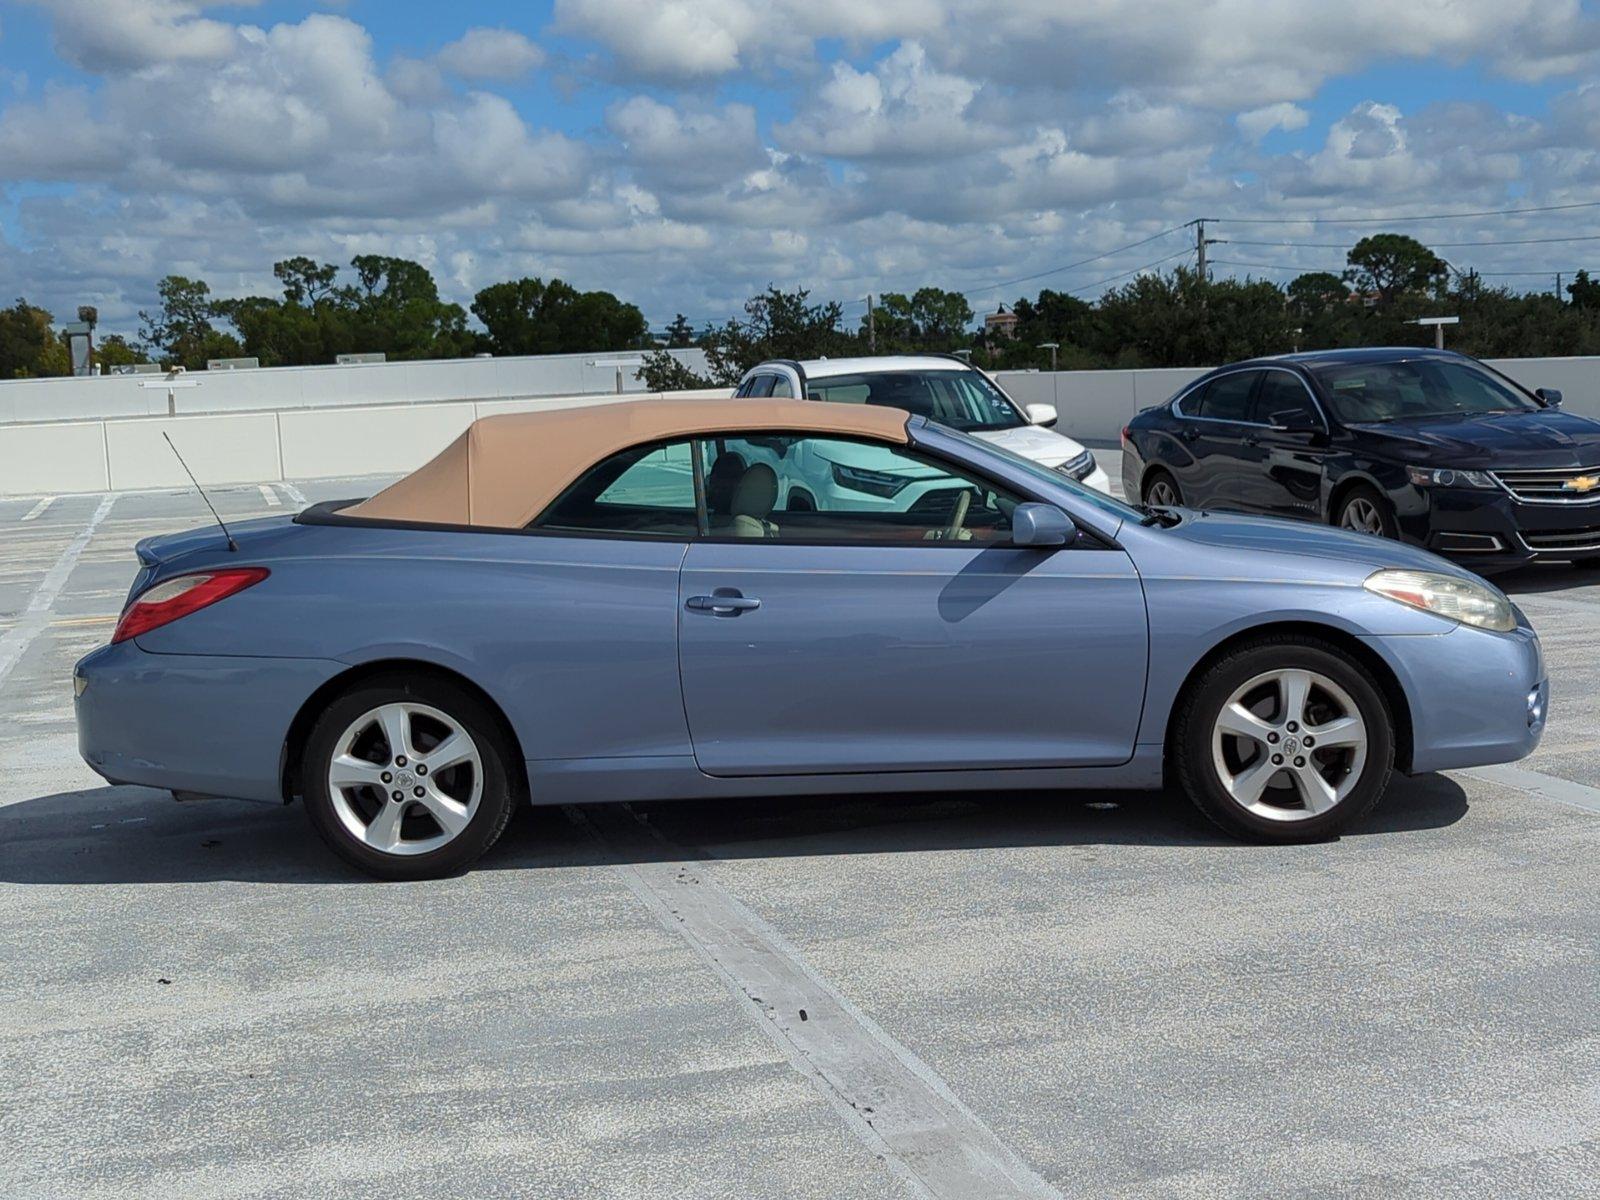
(958, 516)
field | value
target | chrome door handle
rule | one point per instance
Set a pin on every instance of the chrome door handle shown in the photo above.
(725, 602)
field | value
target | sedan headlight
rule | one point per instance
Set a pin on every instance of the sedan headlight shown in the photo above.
(1449, 596)
(1447, 477)
(1080, 466)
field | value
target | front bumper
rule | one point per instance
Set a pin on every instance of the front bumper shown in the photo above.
(191, 723)
(1476, 697)
(1494, 528)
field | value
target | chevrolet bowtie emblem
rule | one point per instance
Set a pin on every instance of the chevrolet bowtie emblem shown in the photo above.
(1581, 483)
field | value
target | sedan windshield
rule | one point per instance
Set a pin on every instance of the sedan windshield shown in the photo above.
(1362, 393)
(963, 400)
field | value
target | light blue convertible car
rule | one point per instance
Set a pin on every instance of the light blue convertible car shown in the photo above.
(604, 603)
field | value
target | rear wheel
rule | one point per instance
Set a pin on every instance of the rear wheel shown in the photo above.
(407, 779)
(1161, 491)
(1363, 510)
(1284, 740)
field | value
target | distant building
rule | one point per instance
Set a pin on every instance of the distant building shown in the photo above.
(1001, 324)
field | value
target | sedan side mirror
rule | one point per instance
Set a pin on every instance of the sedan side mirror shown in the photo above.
(1551, 397)
(1036, 524)
(1294, 420)
(1041, 414)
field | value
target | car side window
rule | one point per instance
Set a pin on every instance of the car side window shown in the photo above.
(761, 385)
(645, 491)
(781, 388)
(798, 488)
(1282, 400)
(1226, 398)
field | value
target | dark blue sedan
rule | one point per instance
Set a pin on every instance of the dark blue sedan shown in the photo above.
(1426, 446)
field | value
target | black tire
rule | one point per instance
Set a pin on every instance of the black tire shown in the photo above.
(1362, 494)
(496, 801)
(1191, 747)
(1150, 486)
(800, 501)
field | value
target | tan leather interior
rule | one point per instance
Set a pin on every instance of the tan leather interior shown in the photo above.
(505, 470)
(753, 499)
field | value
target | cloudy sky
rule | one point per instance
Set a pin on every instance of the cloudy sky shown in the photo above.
(684, 153)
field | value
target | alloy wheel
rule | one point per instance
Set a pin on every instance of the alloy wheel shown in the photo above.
(1162, 495)
(1362, 516)
(1288, 745)
(405, 778)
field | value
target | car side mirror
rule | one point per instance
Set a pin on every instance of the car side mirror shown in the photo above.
(1041, 414)
(1034, 524)
(1294, 420)
(1550, 396)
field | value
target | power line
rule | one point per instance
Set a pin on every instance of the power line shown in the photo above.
(1395, 220)
(1082, 262)
(1089, 287)
(1585, 237)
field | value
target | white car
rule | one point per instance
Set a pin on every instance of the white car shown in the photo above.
(943, 388)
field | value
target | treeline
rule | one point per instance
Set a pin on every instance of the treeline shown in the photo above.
(1174, 319)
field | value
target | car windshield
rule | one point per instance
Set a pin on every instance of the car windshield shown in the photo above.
(963, 400)
(1100, 500)
(1362, 393)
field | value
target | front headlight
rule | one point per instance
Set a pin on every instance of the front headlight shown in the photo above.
(1447, 477)
(1079, 467)
(1448, 596)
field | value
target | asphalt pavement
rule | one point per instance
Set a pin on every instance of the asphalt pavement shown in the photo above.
(990, 995)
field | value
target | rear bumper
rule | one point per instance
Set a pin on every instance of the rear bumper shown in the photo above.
(1476, 697)
(1496, 529)
(193, 723)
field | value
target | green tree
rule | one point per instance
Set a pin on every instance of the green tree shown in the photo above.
(529, 316)
(395, 308)
(680, 334)
(1585, 292)
(114, 350)
(929, 319)
(180, 332)
(28, 344)
(777, 324)
(1391, 264)
(305, 281)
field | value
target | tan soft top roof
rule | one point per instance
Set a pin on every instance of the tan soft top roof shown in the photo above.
(505, 470)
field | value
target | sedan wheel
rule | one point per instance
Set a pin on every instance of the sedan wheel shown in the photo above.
(407, 778)
(1289, 744)
(1364, 511)
(1284, 739)
(1162, 493)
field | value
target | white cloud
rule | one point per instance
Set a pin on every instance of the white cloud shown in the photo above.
(1256, 123)
(485, 55)
(128, 34)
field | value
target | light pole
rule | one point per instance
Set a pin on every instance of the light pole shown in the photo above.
(1052, 347)
(1438, 324)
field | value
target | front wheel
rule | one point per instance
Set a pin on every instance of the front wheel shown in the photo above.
(1364, 511)
(407, 778)
(1284, 740)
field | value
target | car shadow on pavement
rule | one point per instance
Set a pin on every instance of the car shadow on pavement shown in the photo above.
(125, 835)
(1546, 577)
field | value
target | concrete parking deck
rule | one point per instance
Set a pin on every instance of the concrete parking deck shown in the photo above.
(987, 995)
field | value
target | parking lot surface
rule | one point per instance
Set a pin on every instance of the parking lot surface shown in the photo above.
(989, 995)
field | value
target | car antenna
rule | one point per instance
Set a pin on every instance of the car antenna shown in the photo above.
(232, 545)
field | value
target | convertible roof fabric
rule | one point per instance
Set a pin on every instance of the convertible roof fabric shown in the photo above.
(505, 470)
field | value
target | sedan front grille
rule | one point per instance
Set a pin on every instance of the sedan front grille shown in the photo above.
(1563, 485)
(1552, 540)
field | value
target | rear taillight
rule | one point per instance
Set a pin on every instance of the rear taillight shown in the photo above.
(1127, 434)
(179, 597)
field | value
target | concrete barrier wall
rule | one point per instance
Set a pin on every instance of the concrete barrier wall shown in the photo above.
(55, 458)
(358, 384)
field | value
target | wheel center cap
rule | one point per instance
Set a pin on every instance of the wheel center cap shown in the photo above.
(1291, 744)
(405, 779)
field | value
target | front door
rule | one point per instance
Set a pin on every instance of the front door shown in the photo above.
(1290, 437)
(898, 629)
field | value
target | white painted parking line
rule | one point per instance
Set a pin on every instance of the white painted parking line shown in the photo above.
(270, 496)
(1536, 783)
(37, 511)
(36, 617)
(294, 494)
(887, 1097)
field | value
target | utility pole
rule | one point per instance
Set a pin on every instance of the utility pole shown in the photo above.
(872, 327)
(1558, 285)
(1201, 241)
